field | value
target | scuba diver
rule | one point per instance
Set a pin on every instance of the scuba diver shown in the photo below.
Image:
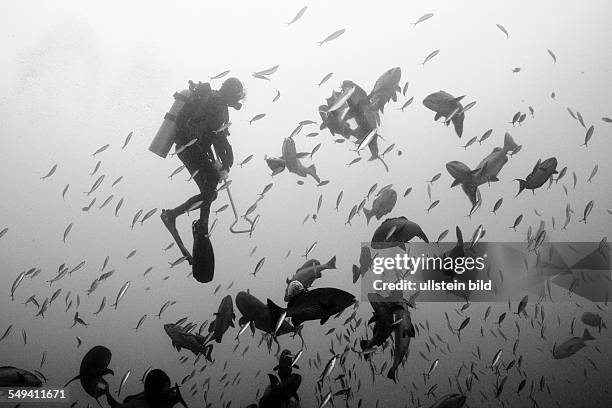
(200, 126)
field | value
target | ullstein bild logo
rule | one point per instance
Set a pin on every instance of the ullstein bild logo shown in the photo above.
(486, 271)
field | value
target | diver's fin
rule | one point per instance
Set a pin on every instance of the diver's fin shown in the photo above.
(324, 320)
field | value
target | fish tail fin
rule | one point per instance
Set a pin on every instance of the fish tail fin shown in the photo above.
(74, 379)
(522, 185)
(275, 310)
(509, 143)
(332, 263)
(369, 214)
(356, 273)
(391, 374)
(587, 336)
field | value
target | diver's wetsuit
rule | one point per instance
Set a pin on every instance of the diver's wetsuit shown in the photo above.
(199, 157)
(201, 119)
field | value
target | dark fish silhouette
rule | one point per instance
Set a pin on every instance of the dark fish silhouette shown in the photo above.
(317, 304)
(157, 394)
(278, 394)
(193, 342)
(450, 401)
(255, 311)
(445, 105)
(17, 377)
(396, 232)
(403, 330)
(94, 366)
(383, 205)
(542, 171)
(309, 272)
(570, 347)
(224, 319)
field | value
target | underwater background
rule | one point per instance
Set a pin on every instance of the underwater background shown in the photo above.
(79, 75)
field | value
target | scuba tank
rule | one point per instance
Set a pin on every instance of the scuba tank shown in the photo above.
(164, 139)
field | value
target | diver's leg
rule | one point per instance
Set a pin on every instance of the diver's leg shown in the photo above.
(203, 255)
(190, 158)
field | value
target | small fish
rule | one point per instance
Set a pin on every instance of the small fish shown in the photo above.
(118, 206)
(593, 173)
(184, 147)
(178, 261)
(50, 173)
(587, 211)
(64, 191)
(298, 15)
(121, 293)
(96, 168)
(123, 381)
(131, 254)
(277, 96)
(267, 72)
(408, 191)
(315, 149)
(406, 104)
(310, 249)
(148, 215)
(552, 55)
(91, 203)
(176, 171)
(422, 18)
(101, 149)
(355, 160)
(430, 56)
(470, 142)
(220, 75)
(67, 231)
(136, 216)
(588, 136)
(332, 36)
(127, 140)
(108, 200)
(246, 160)
(497, 204)
(140, 322)
(432, 206)
(257, 117)
(503, 30)
(258, 266)
(117, 181)
(442, 235)
(339, 199)
(325, 79)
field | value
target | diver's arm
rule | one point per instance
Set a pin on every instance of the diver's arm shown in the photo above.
(224, 151)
